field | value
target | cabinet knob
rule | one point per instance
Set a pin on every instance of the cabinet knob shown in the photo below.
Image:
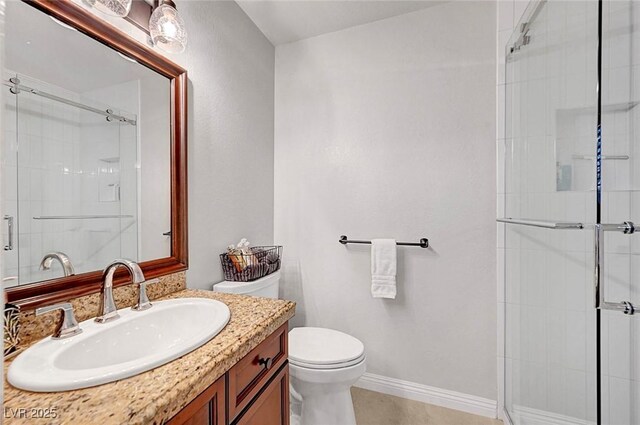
(268, 362)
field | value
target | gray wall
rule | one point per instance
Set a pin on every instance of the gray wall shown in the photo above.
(231, 71)
(387, 130)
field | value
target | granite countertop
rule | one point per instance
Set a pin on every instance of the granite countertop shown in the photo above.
(155, 396)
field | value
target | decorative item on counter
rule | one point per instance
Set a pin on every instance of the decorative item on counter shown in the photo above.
(11, 329)
(243, 263)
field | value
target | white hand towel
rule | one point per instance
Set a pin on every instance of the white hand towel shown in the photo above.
(383, 268)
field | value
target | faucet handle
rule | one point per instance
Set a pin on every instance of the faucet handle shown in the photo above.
(143, 299)
(68, 325)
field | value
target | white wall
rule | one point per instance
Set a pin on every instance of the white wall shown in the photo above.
(155, 158)
(387, 130)
(231, 76)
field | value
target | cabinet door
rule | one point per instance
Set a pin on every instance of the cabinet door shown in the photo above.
(206, 409)
(271, 407)
(255, 370)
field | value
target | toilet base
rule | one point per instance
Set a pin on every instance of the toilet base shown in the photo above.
(323, 397)
(327, 409)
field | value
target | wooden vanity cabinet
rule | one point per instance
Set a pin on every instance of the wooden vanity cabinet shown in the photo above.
(271, 406)
(207, 409)
(252, 373)
(255, 391)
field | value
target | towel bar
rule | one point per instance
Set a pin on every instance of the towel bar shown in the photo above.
(541, 223)
(424, 242)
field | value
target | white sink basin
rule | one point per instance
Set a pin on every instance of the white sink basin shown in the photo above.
(105, 352)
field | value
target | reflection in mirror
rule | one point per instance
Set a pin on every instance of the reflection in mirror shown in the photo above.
(85, 154)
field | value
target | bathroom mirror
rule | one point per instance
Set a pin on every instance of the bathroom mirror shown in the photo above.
(93, 154)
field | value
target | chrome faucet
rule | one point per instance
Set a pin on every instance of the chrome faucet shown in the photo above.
(108, 310)
(62, 258)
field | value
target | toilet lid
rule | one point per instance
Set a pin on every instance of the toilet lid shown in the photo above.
(321, 346)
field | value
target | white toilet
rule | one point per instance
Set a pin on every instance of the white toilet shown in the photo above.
(323, 363)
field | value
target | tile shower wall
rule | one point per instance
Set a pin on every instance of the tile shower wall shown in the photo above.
(64, 155)
(621, 202)
(110, 153)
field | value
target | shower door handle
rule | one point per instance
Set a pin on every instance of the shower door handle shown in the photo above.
(9, 245)
(625, 307)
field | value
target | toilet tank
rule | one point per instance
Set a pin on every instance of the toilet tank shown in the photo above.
(264, 287)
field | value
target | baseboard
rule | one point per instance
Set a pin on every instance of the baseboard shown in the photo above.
(431, 395)
(530, 416)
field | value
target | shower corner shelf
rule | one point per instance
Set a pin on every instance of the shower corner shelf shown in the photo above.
(608, 108)
(603, 157)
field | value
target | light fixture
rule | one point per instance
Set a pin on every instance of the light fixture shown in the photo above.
(119, 8)
(167, 28)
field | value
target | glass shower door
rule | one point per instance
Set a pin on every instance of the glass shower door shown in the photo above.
(619, 282)
(9, 169)
(70, 179)
(572, 198)
(550, 186)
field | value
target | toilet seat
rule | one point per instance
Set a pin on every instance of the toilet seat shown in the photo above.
(321, 348)
(327, 366)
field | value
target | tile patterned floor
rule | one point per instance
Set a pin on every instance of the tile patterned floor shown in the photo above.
(374, 408)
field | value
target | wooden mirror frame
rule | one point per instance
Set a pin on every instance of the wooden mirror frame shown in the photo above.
(33, 295)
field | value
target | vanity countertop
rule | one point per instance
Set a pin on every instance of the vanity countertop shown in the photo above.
(157, 395)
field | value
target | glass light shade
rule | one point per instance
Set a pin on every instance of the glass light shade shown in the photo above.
(167, 29)
(119, 8)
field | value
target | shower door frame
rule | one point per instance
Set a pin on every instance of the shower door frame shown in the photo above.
(597, 235)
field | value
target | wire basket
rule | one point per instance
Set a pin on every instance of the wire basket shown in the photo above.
(262, 261)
